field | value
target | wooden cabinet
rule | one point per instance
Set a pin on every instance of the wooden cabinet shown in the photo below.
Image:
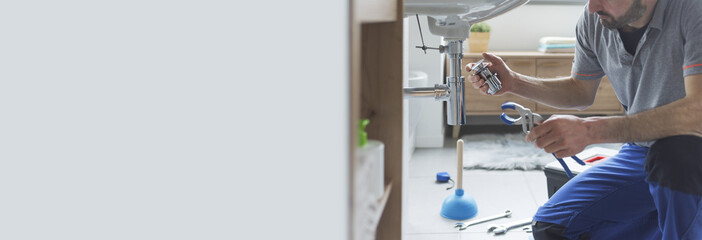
(376, 29)
(606, 101)
(540, 65)
(553, 67)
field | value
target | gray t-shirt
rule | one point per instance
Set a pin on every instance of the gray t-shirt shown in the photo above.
(670, 49)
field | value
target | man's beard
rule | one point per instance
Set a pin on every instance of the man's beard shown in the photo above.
(635, 12)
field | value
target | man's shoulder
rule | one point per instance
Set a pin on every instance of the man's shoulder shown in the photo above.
(687, 8)
(688, 4)
(689, 13)
(588, 26)
(588, 21)
(586, 16)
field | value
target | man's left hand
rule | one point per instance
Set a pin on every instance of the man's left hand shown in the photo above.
(563, 135)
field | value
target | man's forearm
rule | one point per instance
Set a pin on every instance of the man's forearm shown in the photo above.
(563, 93)
(681, 117)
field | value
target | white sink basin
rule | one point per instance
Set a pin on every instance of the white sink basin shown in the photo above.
(467, 10)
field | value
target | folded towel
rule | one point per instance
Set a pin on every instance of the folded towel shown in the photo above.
(557, 50)
(557, 40)
(557, 44)
(552, 46)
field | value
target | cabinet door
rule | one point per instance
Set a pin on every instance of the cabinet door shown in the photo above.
(551, 68)
(606, 101)
(525, 66)
(480, 104)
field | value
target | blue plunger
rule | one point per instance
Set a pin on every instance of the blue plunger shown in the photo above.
(459, 206)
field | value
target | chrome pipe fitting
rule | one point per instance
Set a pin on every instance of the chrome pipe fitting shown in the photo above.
(439, 92)
(456, 107)
(490, 78)
(453, 91)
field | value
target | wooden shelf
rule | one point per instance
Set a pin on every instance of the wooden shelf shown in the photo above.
(369, 11)
(521, 54)
(382, 202)
(376, 94)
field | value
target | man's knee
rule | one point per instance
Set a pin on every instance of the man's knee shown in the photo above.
(676, 163)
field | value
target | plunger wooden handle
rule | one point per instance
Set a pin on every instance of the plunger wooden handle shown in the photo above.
(459, 169)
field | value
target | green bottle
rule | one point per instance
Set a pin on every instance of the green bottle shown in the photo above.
(362, 135)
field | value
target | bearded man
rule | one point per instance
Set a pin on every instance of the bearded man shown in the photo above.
(651, 51)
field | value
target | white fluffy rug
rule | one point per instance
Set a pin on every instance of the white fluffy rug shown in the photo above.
(507, 152)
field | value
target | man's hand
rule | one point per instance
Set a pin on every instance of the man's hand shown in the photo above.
(498, 66)
(564, 135)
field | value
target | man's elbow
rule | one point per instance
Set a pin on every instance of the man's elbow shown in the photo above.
(585, 103)
(582, 108)
(584, 97)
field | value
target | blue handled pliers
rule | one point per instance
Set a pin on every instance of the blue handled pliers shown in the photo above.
(527, 120)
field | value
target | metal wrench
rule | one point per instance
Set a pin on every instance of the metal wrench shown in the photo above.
(502, 229)
(462, 226)
(527, 119)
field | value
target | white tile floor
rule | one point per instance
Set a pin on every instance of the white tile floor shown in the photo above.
(494, 191)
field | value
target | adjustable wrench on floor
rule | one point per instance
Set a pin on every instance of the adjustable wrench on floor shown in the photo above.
(502, 229)
(462, 226)
(527, 119)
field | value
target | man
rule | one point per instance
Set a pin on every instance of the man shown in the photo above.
(651, 51)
